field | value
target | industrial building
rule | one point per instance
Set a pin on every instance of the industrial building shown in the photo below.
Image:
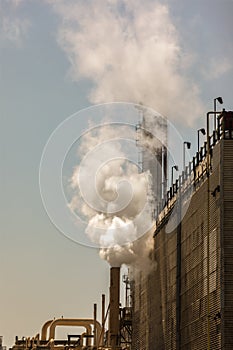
(185, 300)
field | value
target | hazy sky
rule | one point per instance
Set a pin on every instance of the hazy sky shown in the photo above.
(57, 57)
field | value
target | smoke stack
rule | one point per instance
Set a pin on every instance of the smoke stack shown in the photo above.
(114, 307)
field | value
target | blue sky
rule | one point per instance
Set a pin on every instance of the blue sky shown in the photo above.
(56, 58)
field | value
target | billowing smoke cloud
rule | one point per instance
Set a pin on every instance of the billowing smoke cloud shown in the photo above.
(137, 253)
(131, 52)
(112, 196)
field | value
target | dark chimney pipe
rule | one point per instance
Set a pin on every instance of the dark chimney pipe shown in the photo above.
(114, 306)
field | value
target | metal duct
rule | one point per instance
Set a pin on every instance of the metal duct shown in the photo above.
(75, 322)
(44, 329)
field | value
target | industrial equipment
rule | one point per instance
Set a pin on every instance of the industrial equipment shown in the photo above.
(94, 335)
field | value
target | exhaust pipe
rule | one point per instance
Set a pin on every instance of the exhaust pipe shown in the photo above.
(114, 306)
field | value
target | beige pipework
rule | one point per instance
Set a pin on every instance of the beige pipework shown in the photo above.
(44, 329)
(52, 324)
(49, 322)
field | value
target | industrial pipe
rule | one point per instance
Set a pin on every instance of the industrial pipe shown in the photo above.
(75, 322)
(95, 316)
(35, 340)
(37, 336)
(103, 320)
(49, 344)
(114, 324)
(44, 329)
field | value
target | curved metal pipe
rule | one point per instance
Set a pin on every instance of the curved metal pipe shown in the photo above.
(37, 336)
(75, 322)
(44, 329)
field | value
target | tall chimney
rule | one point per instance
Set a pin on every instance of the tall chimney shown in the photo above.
(114, 306)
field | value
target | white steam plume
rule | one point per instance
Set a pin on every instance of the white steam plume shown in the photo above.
(112, 196)
(131, 51)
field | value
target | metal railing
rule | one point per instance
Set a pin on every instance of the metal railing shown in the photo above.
(197, 169)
